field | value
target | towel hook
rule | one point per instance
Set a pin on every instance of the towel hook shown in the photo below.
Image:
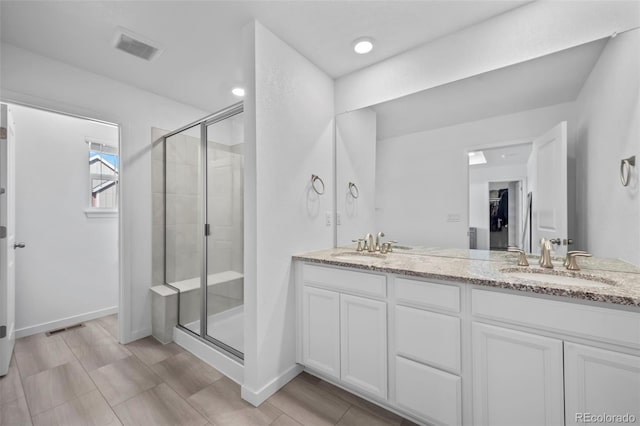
(314, 180)
(625, 169)
(353, 190)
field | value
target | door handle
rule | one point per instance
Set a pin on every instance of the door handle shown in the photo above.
(19, 245)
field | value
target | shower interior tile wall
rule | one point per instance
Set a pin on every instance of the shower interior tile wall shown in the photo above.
(226, 243)
(183, 231)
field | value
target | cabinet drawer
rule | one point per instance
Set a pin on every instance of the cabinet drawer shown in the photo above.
(430, 393)
(343, 280)
(428, 295)
(592, 322)
(428, 337)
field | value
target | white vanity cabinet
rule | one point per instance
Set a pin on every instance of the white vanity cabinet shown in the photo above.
(363, 342)
(321, 330)
(539, 374)
(427, 350)
(517, 378)
(600, 382)
(344, 327)
(447, 353)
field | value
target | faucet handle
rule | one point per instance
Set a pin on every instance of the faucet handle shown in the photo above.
(573, 265)
(569, 254)
(359, 241)
(390, 246)
(522, 257)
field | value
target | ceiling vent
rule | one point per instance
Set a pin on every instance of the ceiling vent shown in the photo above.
(136, 45)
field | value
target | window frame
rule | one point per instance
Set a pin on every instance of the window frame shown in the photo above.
(109, 148)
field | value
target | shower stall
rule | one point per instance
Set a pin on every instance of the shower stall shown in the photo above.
(204, 227)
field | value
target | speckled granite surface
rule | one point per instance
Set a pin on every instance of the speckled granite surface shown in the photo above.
(494, 270)
(591, 263)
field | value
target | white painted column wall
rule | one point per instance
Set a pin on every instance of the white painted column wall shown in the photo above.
(288, 137)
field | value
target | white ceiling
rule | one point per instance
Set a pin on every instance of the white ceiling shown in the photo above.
(545, 81)
(202, 39)
(511, 155)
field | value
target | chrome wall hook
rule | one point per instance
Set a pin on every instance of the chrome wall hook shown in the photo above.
(625, 169)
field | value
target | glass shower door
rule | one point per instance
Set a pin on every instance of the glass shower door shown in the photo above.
(225, 240)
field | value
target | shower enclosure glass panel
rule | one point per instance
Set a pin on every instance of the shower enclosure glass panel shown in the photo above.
(204, 227)
(183, 219)
(225, 216)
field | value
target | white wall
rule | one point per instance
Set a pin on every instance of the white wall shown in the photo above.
(608, 131)
(355, 162)
(479, 178)
(422, 178)
(533, 30)
(289, 137)
(38, 80)
(69, 268)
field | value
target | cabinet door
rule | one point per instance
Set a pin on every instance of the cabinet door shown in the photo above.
(517, 378)
(321, 330)
(363, 338)
(600, 382)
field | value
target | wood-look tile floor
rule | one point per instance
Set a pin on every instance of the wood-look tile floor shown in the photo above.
(85, 377)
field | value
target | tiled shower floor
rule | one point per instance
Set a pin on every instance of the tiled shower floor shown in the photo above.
(84, 376)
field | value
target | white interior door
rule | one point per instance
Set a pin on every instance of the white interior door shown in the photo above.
(7, 238)
(547, 178)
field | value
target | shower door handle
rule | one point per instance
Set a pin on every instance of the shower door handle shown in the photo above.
(19, 245)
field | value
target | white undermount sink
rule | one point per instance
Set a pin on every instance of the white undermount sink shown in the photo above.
(559, 277)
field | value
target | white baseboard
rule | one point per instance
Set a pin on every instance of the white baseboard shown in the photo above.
(137, 335)
(64, 322)
(256, 398)
(221, 362)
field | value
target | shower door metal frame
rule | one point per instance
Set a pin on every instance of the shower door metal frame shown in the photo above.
(235, 109)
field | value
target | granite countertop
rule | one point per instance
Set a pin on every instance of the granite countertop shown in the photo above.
(492, 270)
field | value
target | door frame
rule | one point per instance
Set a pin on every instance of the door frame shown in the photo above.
(124, 290)
(519, 220)
(494, 145)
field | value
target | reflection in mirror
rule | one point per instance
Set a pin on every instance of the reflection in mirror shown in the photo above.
(410, 157)
(497, 196)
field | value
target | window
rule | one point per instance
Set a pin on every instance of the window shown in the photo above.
(103, 175)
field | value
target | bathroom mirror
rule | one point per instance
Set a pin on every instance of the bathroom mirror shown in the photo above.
(414, 159)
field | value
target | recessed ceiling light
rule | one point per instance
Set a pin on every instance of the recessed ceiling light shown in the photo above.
(238, 91)
(363, 45)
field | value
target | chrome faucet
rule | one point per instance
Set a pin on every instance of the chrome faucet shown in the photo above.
(368, 243)
(380, 235)
(545, 254)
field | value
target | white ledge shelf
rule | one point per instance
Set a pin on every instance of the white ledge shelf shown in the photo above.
(101, 213)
